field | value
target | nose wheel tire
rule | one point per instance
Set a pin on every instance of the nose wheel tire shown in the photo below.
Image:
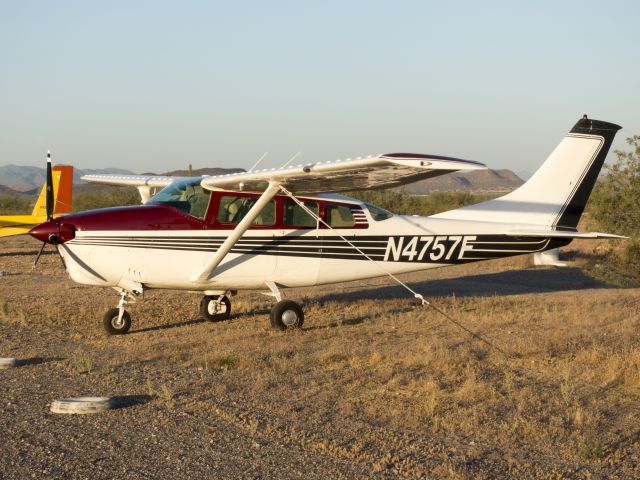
(214, 309)
(112, 325)
(286, 315)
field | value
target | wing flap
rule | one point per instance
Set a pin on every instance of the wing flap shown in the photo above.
(383, 171)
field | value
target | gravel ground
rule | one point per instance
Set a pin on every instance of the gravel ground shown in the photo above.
(144, 438)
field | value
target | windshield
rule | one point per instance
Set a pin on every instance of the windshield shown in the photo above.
(377, 213)
(185, 195)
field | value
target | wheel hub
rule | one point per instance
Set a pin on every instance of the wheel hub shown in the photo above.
(117, 322)
(216, 307)
(289, 318)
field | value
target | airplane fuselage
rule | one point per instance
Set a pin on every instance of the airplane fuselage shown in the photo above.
(159, 246)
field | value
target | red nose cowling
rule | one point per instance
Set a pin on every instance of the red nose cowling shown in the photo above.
(53, 231)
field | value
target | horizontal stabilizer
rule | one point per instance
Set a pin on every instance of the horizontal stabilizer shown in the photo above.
(560, 234)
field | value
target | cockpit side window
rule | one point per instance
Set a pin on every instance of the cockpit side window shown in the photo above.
(187, 196)
(296, 216)
(233, 209)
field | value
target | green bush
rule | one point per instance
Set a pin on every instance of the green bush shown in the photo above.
(113, 197)
(631, 257)
(15, 205)
(11, 204)
(615, 204)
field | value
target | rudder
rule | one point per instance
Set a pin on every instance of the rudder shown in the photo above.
(62, 191)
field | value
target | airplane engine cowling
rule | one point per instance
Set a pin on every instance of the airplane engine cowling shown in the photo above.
(53, 232)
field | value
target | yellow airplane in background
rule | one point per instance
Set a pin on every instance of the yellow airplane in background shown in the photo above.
(61, 183)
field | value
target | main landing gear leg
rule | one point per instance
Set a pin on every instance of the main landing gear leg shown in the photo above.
(117, 321)
(286, 314)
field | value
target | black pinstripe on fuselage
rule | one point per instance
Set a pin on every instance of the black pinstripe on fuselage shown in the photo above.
(455, 249)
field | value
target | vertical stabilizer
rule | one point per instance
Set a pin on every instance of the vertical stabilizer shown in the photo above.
(62, 192)
(555, 196)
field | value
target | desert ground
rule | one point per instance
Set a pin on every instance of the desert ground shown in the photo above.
(373, 386)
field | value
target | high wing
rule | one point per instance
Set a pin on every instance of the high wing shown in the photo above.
(144, 183)
(153, 181)
(382, 171)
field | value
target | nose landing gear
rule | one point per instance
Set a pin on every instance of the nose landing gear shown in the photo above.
(117, 321)
(215, 308)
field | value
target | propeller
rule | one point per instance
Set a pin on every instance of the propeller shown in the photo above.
(49, 203)
(49, 200)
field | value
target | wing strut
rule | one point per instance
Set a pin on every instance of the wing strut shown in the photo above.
(241, 228)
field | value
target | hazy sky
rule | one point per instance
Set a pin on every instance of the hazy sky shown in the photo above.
(153, 85)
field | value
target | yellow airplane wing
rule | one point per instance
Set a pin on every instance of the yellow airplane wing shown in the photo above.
(19, 224)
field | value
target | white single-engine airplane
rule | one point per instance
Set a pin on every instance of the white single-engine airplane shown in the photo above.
(271, 229)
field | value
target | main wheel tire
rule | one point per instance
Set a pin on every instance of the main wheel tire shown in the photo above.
(213, 310)
(111, 324)
(286, 315)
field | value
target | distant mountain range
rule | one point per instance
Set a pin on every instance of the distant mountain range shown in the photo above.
(25, 179)
(477, 181)
(29, 179)
(4, 190)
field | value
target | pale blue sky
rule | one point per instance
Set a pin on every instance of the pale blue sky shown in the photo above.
(153, 85)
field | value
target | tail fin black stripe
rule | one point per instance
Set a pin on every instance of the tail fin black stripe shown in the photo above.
(572, 211)
(570, 198)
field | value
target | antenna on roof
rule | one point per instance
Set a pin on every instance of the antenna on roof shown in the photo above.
(258, 162)
(291, 159)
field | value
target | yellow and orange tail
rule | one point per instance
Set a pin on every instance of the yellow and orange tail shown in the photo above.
(62, 192)
(62, 176)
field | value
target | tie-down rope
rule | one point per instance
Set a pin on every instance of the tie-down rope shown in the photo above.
(419, 296)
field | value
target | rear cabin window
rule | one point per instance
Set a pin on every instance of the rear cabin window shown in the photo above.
(339, 216)
(233, 210)
(296, 216)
